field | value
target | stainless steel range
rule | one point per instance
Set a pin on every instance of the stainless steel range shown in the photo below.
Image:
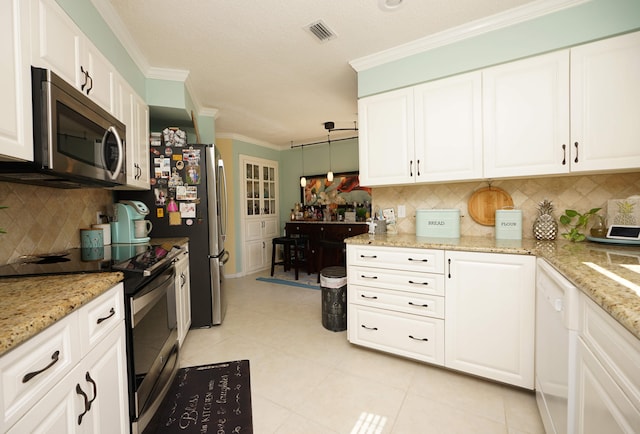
(152, 344)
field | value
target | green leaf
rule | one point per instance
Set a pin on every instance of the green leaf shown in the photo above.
(571, 213)
(565, 220)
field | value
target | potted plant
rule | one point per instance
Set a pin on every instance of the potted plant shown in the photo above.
(574, 229)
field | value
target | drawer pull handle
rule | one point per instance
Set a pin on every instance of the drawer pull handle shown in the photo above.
(419, 339)
(54, 357)
(368, 328)
(112, 312)
(79, 391)
(369, 297)
(418, 305)
(368, 277)
(418, 283)
(369, 256)
(95, 389)
(418, 260)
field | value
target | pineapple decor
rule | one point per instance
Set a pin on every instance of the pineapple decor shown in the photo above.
(625, 214)
(545, 226)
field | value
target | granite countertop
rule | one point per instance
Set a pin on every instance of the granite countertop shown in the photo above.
(608, 273)
(30, 304)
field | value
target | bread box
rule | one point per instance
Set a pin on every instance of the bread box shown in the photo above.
(438, 223)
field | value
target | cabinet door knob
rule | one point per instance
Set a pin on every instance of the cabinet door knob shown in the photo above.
(576, 145)
(418, 305)
(418, 283)
(419, 339)
(410, 167)
(368, 328)
(418, 260)
(564, 154)
(80, 392)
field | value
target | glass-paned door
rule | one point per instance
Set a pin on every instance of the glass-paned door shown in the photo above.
(252, 180)
(261, 186)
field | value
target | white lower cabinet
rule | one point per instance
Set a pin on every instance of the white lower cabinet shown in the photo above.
(490, 315)
(473, 312)
(607, 377)
(396, 301)
(407, 335)
(63, 381)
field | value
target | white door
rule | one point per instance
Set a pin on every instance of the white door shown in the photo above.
(605, 104)
(448, 129)
(490, 315)
(526, 117)
(386, 143)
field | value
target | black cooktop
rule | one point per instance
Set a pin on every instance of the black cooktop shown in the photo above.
(137, 261)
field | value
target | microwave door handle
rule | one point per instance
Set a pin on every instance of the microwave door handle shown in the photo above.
(113, 131)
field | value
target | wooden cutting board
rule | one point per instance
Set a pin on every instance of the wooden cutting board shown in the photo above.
(484, 202)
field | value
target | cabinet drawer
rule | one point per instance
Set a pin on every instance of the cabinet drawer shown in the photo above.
(423, 283)
(426, 260)
(417, 304)
(101, 316)
(406, 335)
(30, 370)
(616, 348)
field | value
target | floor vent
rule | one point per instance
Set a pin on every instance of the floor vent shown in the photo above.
(321, 31)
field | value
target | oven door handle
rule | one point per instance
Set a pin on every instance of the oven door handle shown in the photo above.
(142, 303)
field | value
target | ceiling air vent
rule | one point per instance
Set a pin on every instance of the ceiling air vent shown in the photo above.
(321, 31)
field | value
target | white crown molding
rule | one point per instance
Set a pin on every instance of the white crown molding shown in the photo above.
(475, 28)
(209, 112)
(112, 19)
(251, 140)
(180, 75)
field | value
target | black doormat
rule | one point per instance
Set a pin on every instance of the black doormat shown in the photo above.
(207, 399)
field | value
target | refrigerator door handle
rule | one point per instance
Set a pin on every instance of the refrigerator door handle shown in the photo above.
(225, 213)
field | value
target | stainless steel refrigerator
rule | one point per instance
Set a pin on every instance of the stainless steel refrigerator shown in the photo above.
(188, 198)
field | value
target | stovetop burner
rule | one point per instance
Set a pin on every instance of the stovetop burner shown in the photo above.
(136, 258)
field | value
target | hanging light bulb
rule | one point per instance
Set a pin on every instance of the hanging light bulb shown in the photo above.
(330, 172)
(303, 180)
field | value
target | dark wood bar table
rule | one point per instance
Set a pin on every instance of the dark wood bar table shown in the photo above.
(321, 233)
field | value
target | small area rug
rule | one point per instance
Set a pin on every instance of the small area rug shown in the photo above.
(289, 278)
(207, 399)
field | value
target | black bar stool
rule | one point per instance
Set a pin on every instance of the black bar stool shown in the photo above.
(295, 252)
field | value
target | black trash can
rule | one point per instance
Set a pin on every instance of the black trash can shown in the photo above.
(333, 282)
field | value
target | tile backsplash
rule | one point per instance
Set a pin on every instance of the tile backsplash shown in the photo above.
(45, 220)
(579, 192)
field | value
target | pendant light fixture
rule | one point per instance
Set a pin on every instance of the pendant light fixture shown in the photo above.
(330, 172)
(303, 180)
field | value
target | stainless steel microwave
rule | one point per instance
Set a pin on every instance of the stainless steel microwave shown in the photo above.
(76, 142)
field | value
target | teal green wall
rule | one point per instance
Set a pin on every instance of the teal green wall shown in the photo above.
(593, 20)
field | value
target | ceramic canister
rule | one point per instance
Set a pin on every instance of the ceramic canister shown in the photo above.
(508, 224)
(92, 244)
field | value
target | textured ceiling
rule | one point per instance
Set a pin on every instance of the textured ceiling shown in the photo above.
(270, 79)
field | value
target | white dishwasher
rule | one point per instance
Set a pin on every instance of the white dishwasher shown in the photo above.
(556, 340)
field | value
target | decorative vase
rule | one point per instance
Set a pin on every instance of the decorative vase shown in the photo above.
(545, 227)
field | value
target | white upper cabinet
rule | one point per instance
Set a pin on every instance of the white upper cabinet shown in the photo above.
(16, 126)
(425, 133)
(58, 44)
(386, 150)
(448, 129)
(605, 104)
(526, 117)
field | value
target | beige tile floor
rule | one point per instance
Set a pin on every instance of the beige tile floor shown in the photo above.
(306, 379)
